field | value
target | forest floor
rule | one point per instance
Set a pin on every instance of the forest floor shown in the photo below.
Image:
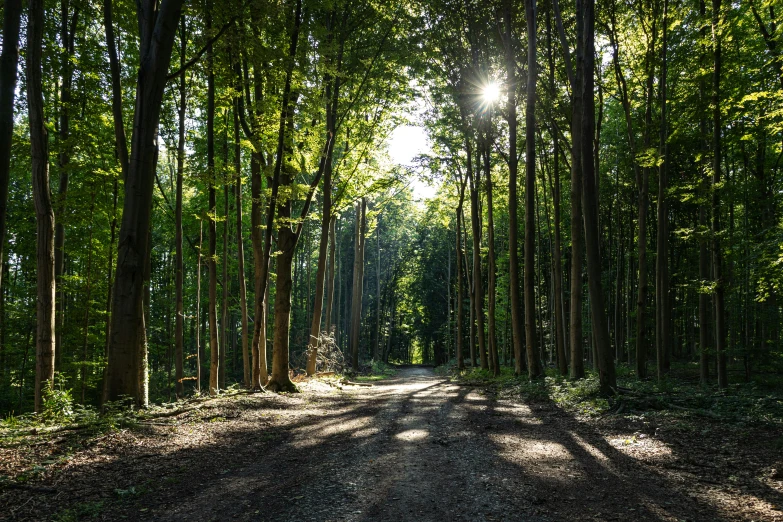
(416, 446)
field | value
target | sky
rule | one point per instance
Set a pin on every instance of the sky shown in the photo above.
(405, 143)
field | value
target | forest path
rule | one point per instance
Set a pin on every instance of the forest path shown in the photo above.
(413, 447)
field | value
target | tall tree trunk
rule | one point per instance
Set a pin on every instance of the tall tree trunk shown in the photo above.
(513, 170)
(557, 270)
(67, 37)
(279, 380)
(87, 296)
(127, 362)
(717, 255)
(491, 263)
(198, 306)
(358, 279)
(44, 213)
(663, 313)
(179, 327)
(704, 255)
(577, 370)
(224, 313)
(246, 369)
(590, 204)
(478, 290)
(214, 345)
(460, 287)
(533, 360)
(377, 354)
(9, 59)
(332, 95)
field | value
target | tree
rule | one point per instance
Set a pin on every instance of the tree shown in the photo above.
(127, 347)
(44, 213)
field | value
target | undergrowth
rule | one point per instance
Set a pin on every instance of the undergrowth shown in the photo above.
(675, 394)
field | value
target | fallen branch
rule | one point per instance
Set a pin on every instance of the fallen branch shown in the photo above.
(346, 381)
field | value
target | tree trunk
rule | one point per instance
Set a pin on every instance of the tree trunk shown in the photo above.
(460, 287)
(127, 363)
(198, 307)
(246, 369)
(557, 271)
(717, 255)
(478, 291)
(513, 169)
(358, 279)
(491, 264)
(663, 313)
(9, 59)
(67, 35)
(179, 327)
(590, 203)
(214, 346)
(330, 278)
(279, 380)
(44, 214)
(533, 360)
(577, 352)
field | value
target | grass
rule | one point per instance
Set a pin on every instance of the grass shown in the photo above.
(678, 393)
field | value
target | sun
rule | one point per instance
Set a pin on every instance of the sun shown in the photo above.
(491, 93)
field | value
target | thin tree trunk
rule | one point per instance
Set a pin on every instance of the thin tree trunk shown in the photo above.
(460, 288)
(198, 306)
(557, 272)
(87, 296)
(717, 256)
(179, 328)
(67, 36)
(358, 279)
(491, 265)
(577, 370)
(478, 291)
(704, 256)
(44, 213)
(330, 277)
(513, 169)
(663, 313)
(214, 346)
(246, 369)
(533, 360)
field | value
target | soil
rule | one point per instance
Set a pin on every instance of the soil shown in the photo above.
(412, 447)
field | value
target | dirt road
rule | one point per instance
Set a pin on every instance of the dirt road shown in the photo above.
(414, 447)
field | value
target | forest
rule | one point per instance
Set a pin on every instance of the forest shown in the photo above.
(205, 199)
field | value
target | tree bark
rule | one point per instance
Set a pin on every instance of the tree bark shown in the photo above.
(330, 277)
(533, 360)
(67, 34)
(127, 361)
(44, 213)
(9, 59)
(717, 255)
(513, 173)
(358, 279)
(214, 345)
(577, 370)
(478, 291)
(606, 371)
(663, 312)
(246, 369)
(557, 271)
(179, 327)
(491, 262)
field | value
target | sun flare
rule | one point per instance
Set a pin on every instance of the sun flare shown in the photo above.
(491, 92)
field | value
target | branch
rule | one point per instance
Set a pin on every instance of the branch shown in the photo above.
(190, 63)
